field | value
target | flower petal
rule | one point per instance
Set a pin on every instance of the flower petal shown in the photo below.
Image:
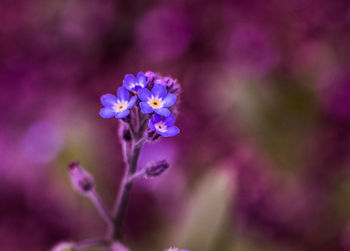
(123, 93)
(129, 80)
(151, 125)
(159, 90)
(170, 120)
(172, 131)
(156, 118)
(162, 111)
(107, 113)
(123, 114)
(169, 100)
(131, 102)
(144, 94)
(145, 108)
(141, 78)
(108, 100)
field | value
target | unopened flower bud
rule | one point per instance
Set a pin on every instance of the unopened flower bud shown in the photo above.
(82, 181)
(150, 75)
(124, 132)
(176, 249)
(152, 135)
(153, 78)
(117, 246)
(156, 168)
(126, 135)
(63, 246)
(172, 85)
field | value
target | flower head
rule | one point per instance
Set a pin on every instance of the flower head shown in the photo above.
(117, 246)
(133, 83)
(163, 125)
(117, 106)
(64, 246)
(176, 249)
(157, 100)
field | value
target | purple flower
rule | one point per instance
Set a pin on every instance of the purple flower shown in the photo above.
(158, 100)
(176, 249)
(117, 246)
(117, 106)
(133, 83)
(163, 125)
(63, 246)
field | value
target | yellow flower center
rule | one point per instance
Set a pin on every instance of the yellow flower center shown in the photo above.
(120, 106)
(155, 103)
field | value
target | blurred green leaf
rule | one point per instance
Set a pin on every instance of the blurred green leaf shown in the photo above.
(280, 117)
(207, 212)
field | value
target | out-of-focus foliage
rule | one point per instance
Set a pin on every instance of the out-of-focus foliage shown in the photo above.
(207, 212)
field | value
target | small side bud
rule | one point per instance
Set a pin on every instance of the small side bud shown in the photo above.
(156, 168)
(150, 75)
(117, 246)
(126, 135)
(124, 132)
(82, 181)
(153, 78)
(152, 135)
(63, 246)
(175, 249)
(172, 85)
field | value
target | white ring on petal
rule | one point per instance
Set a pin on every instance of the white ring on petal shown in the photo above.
(161, 126)
(159, 101)
(120, 106)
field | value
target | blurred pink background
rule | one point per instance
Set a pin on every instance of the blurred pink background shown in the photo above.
(262, 160)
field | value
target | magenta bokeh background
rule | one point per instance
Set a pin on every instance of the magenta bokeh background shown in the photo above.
(265, 101)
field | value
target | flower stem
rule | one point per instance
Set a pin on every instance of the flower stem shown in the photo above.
(136, 175)
(124, 192)
(131, 152)
(104, 212)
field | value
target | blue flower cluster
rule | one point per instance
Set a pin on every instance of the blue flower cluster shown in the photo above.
(152, 100)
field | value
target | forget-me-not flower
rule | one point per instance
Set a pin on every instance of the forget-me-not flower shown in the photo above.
(156, 100)
(117, 106)
(163, 125)
(133, 83)
(175, 249)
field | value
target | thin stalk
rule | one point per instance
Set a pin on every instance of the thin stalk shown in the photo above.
(103, 211)
(124, 193)
(131, 152)
(136, 175)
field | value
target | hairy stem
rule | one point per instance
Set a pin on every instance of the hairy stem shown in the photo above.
(103, 211)
(124, 192)
(136, 175)
(131, 151)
